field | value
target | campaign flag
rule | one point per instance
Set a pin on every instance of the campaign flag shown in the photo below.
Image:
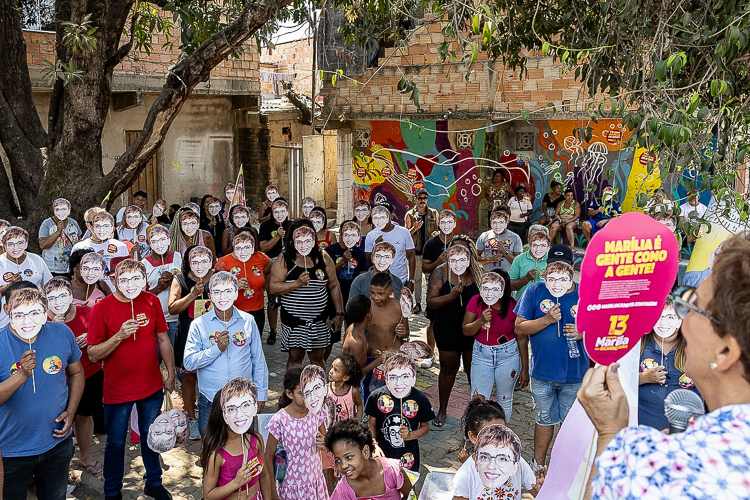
(239, 190)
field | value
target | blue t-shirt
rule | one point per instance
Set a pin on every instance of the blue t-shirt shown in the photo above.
(27, 420)
(549, 351)
(651, 396)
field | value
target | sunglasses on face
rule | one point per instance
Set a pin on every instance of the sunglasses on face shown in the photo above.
(685, 300)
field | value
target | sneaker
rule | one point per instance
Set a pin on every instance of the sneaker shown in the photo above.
(417, 309)
(271, 340)
(427, 363)
(195, 435)
(157, 492)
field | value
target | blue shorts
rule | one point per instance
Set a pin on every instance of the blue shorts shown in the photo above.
(552, 400)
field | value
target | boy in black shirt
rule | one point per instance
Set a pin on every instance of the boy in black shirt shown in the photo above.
(399, 414)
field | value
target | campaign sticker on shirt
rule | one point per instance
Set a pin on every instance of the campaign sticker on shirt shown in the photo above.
(248, 293)
(235, 270)
(686, 382)
(410, 408)
(507, 243)
(274, 233)
(255, 467)
(322, 244)
(142, 238)
(493, 243)
(28, 273)
(385, 403)
(8, 276)
(142, 319)
(256, 270)
(320, 274)
(546, 305)
(52, 365)
(239, 339)
(14, 368)
(111, 248)
(407, 461)
(98, 300)
(574, 311)
(648, 363)
(212, 338)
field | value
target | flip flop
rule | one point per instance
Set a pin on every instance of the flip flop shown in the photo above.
(438, 422)
(94, 469)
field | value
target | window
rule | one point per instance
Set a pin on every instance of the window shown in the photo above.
(465, 140)
(524, 141)
(38, 15)
(362, 138)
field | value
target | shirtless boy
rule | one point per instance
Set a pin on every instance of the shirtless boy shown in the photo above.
(355, 341)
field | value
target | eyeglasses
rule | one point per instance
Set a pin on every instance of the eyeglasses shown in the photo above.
(17, 244)
(189, 223)
(539, 246)
(459, 261)
(317, 391)
(404, 377)
(684, 302)
(55, 298)
(500, 460)
(102, 226)
(125, 281)
(34, 315)
(87, 269)
(243, 248)
(223, 293)
(245, 408)
(492, 289)
(202, 262)
(562, 280)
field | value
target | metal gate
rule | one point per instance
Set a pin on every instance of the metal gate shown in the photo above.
(296, 178)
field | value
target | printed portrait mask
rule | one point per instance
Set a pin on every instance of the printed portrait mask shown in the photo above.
(361, 213)
(495, 463)
(407, 302)
(59, 301)
(223, 296)
(317, 222)
(61, 211)
(401, 378)
(280, 214)
(159, 243)
(539, 248)
(668, 323)
(200, 264)
(244, 250)
(307, 208)
(351, 235)
(133, 219)
(131, 284)
(158, 210)
(382, 260)
(380, 217)
(214, 209)
(181, 428)
(458, 259)
(229, 193)
(499, 225)
(91, 272)
(189, 226)
(239, 413)
(491, 288)
(304, 240)
(240, 219)
(15, 247)
(314, 392)
(416, 350)
(161, 434)
(272, 194)
(558, 284)
(447, 225)
(27, 320)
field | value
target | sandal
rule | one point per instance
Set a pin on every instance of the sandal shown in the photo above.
(94, 469)
(438, 422)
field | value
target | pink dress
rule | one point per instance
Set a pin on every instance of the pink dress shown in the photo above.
(94, 296)
(304, 474)
(232, 464)
(344, 409)
(392, 477)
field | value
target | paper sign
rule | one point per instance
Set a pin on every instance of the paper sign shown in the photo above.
(626, 275)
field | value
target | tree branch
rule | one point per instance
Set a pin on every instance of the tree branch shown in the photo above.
(182, 79)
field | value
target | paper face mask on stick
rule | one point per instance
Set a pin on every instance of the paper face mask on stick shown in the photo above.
(272, 194)
(497, 455)
(380, 217)
(15, 247)
(382, 255)
(350, 234)
(158, 210)
(239, 404)
(59, 301)
(240, 219)
(229, 193)
(200, 264)
(313, 384)
(407, 302)
(244, 250)
(131, 284)
(189, 226)
(304, 240)
(223, 296)
(362, 212)
(307, 208)
(91, 269)
(499, 223)
(416, 350)
(459, 259)
(162, 435)
(400, 374)
(317, 221)
(447, 224)
(214, 209)
(159, 243)
(668, 323)
(27, 320)
(180, 423)
(558, 278)
(61, 210)
(280, 213)
(133, 218)
(491, 288)
(539, 248)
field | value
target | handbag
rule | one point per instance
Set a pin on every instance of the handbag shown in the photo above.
(280, 460)
(526, 220)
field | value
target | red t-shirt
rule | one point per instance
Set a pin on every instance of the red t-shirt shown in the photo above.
(131, 371)
(80, 325)
(499, 327)
(252, 298)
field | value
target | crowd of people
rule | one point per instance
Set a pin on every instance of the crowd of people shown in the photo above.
(143, 304)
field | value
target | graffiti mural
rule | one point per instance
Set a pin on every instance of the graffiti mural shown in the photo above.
(398, 161)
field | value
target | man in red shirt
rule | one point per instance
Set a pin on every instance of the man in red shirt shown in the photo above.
(60, 309)
(126, 330)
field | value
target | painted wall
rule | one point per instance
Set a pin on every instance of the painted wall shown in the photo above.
(398, 161)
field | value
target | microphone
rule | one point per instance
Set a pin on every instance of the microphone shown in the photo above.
(680, 407)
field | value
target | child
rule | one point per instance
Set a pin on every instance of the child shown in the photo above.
(387, 327)
(467, 483)
(355, 340)
(365, 477)
(224, 476)
(344, 378)
(301, 434)
(399, 414)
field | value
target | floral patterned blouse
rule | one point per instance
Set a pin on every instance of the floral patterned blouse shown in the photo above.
(710, 460)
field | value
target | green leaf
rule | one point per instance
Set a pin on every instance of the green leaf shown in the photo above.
(415, 96)
(545, 48)
(333, 79)
(475, 25)
(355, 83)
(474, 53)
(525, 113)
(565, 56)
(661, 71)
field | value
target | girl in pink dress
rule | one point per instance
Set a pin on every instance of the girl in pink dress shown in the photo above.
(364, 477)
(301, 434)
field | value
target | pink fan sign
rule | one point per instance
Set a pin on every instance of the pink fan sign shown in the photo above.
(626, 275)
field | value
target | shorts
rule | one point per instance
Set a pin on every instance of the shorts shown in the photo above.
(430, 313)
(552, 400)
(260, 319)
(455, 341)
(93, 395)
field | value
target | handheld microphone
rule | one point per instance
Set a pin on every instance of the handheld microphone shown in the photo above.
(680, 407)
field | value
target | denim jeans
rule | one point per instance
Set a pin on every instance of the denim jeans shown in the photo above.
(498, 365)
(50, 470)
(171, 332)
(116, 418)
(204, 408)
(552, 400)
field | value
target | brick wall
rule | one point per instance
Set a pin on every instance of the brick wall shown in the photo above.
(290, 57)
(253, 142)
(491, 90)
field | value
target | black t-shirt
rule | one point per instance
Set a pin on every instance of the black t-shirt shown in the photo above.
(356, 266)
(552, 205)
(386, 409)
(268, 231)
(433, 248)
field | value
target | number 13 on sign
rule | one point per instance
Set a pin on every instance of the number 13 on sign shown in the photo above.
(618, 324)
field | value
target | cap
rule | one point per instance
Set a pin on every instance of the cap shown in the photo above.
(387, 205)
(421, 191)
(560, 253)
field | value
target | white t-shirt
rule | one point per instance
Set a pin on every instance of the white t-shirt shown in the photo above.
(109, 249)
(518, 207)
(399, 237)
(127, 234)
(153, 273)
(56, 256)
(467, 484)
(488, 245)
(121, 213)
(32, 269)
(686, 209)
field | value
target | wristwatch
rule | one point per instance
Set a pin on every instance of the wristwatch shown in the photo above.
(339, 314)
(412, 281)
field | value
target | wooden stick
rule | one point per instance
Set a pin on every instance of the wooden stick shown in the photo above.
(132, 315)
(33, 379)
(558, 321)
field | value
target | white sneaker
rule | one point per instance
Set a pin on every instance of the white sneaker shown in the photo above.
(426, 363)
(195, 435)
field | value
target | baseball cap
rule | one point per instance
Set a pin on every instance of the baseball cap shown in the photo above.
(387, 205)
(421, 191)
(560, 253)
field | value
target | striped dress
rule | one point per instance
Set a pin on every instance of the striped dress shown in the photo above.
(304, 311)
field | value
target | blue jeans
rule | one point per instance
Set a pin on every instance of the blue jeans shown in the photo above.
(171, 332)
(552, 400)
(116, 418)
(50, 470)
(204, 408)
(498, 366)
